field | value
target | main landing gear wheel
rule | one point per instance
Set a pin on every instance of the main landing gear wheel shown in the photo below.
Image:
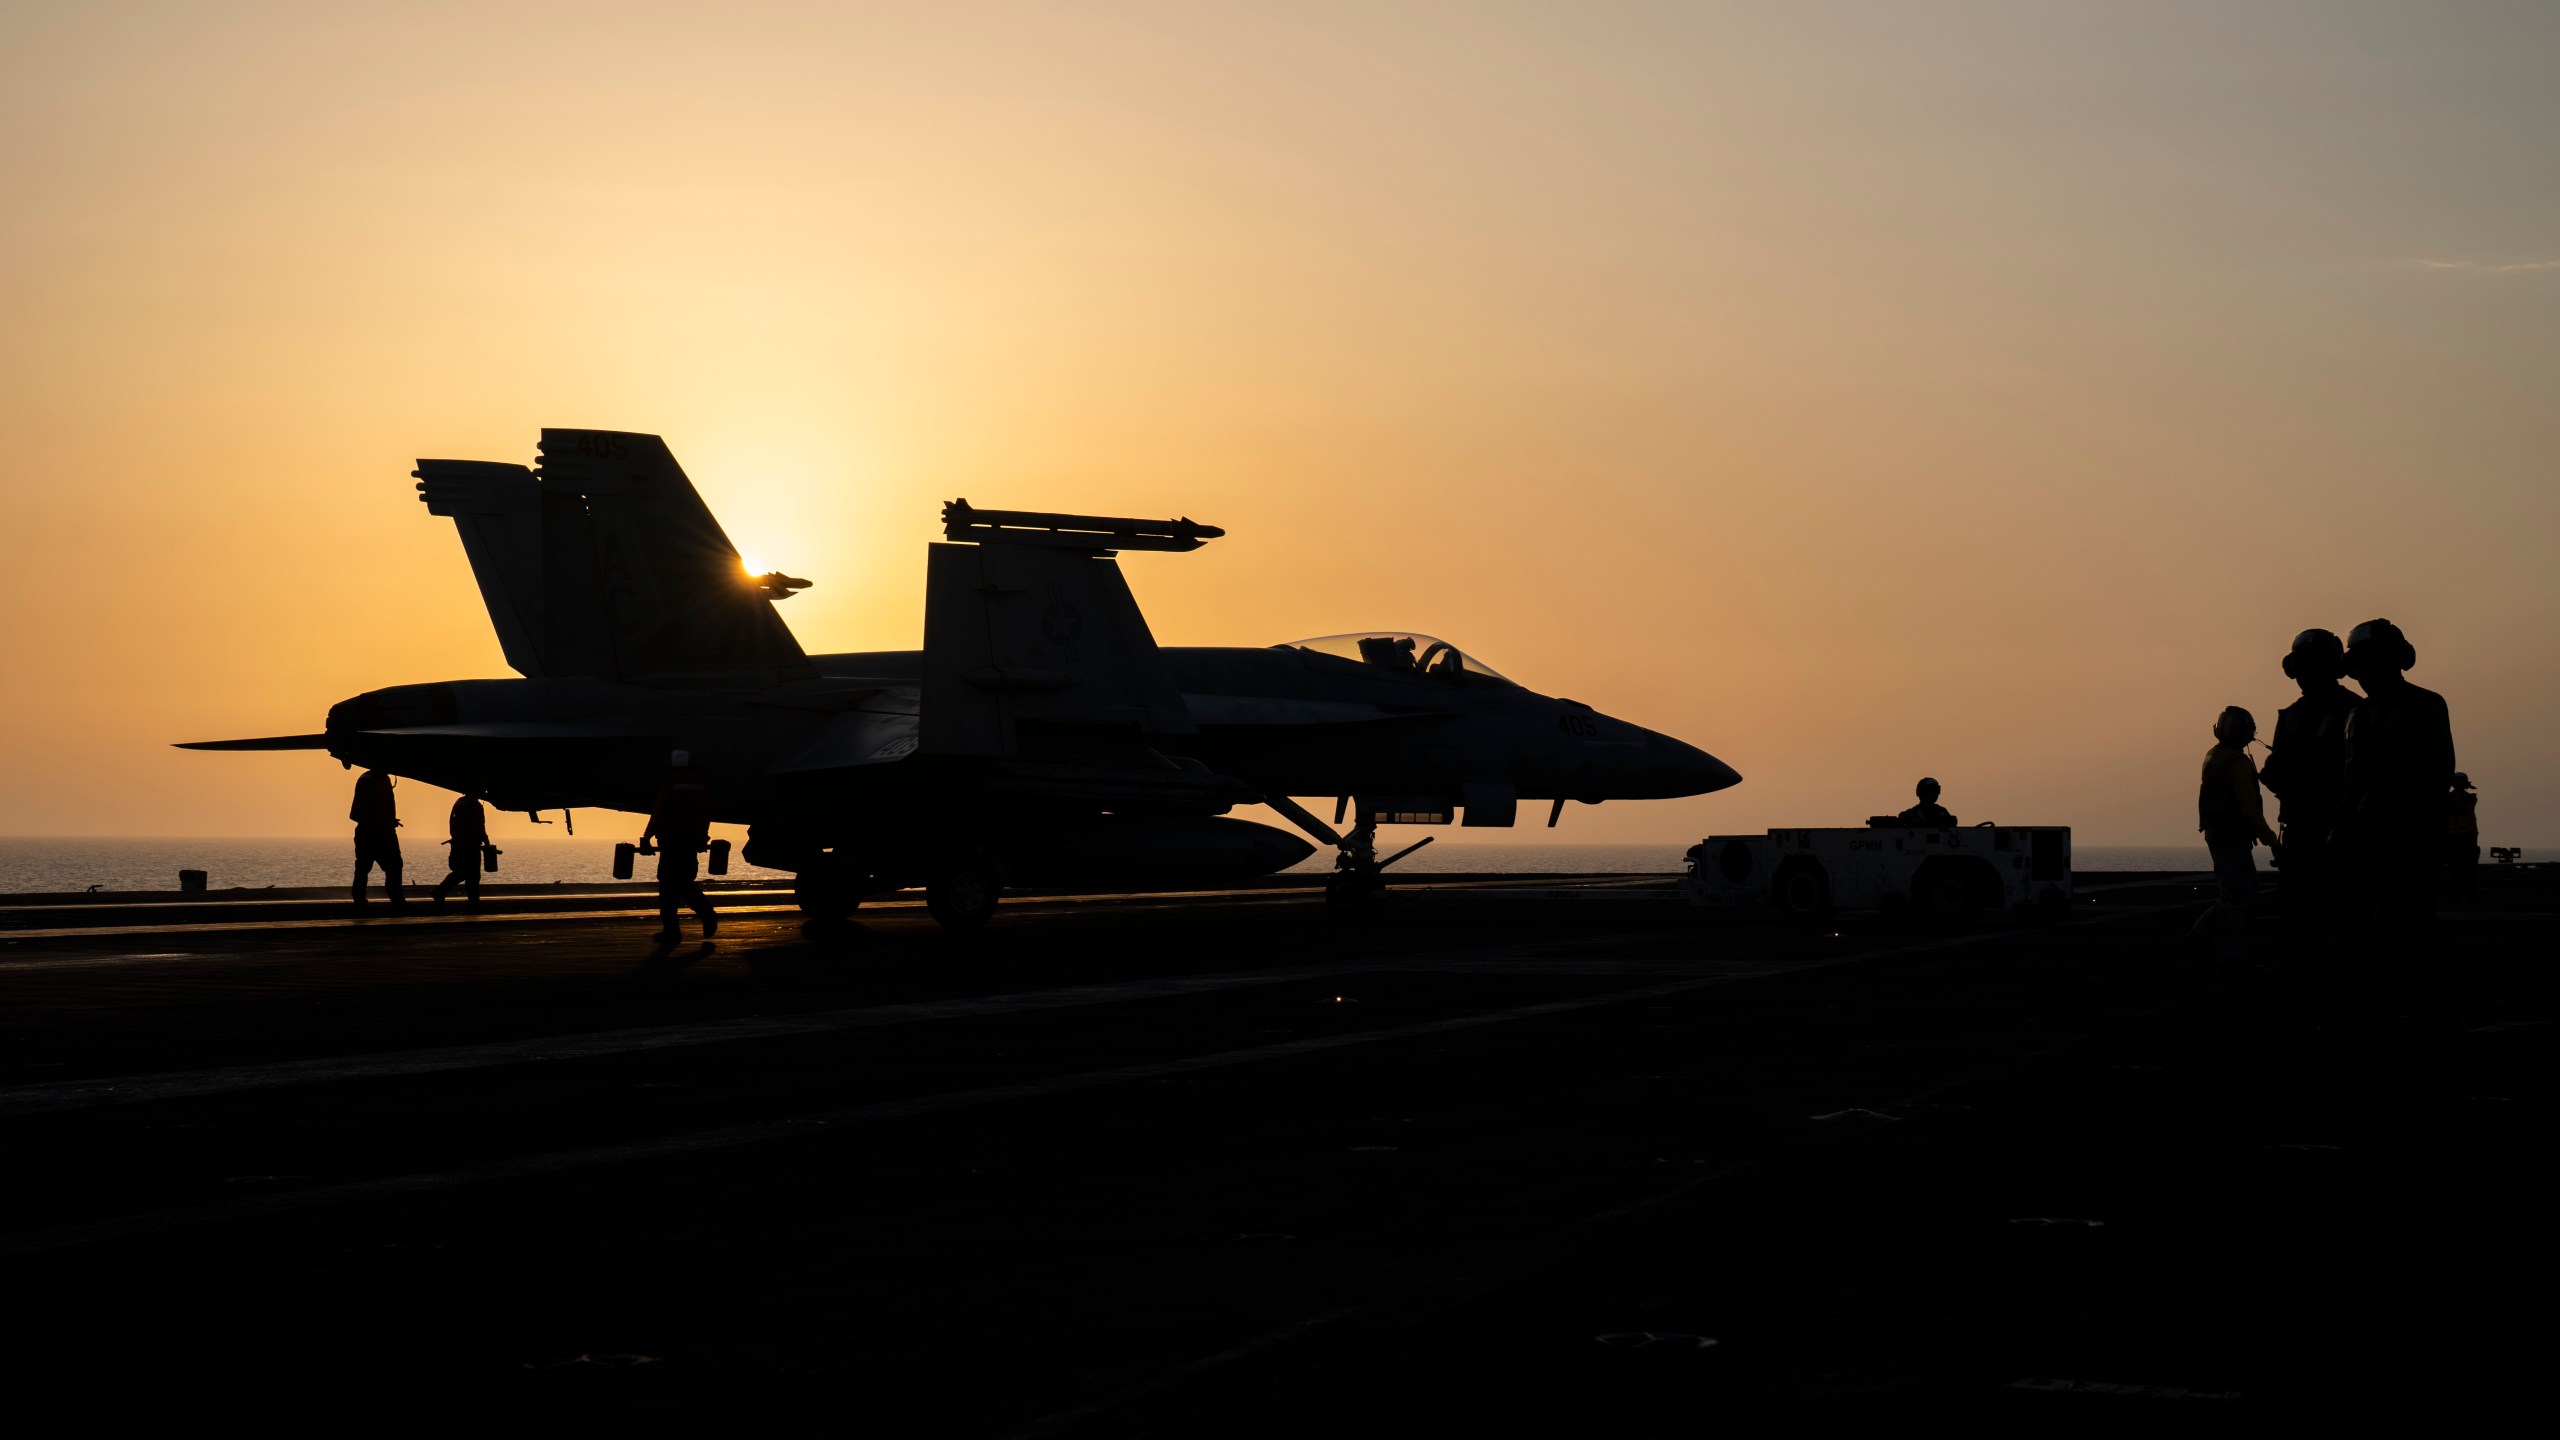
(824, 897)
(1948, 893)
(963, 898)
(1803, 893)
(1352, 894)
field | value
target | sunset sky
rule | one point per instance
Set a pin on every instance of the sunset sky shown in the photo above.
(1855, 391)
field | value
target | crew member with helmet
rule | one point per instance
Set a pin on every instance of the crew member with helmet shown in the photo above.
(466, 835)
(1928, 814)
(2233, 816)
(2306, 769)
(377, 817)
(2390, 839)
(680, 823)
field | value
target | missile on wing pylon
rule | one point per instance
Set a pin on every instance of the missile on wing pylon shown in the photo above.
(1098, 534)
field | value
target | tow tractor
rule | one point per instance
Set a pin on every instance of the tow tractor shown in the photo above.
(1950, 874)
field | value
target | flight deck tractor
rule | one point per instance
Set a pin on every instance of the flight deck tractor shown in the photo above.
(1942, 873)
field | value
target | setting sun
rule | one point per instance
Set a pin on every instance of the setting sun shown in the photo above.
(1861, 399)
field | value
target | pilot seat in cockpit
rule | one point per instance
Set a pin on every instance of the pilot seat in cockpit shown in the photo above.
(1405, 653)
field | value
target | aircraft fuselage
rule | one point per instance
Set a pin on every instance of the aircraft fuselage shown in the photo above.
(1286, 721)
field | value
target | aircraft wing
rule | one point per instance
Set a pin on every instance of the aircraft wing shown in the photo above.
(854, 738)
(265, 742)
(520, 730)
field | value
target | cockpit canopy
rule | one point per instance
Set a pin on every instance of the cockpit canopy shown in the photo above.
(1405, 653)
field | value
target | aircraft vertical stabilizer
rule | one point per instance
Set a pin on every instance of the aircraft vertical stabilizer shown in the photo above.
(605, 563)
(498, 510)
(1032, 641)
(623, 526)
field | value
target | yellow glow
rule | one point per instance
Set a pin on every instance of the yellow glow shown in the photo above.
(1858, 393)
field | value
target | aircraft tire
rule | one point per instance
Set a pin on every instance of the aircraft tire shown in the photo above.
(964, 897)
(1802, 892)
(1349, 895)
(1949, 892)
(824, 897)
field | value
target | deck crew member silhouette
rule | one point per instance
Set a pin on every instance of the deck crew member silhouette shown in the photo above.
(2389, 841)
(1928, 813)
(377, 818)
(467, 830)
(2461, 839)
(2307, 769)
(680, 822)
(2233, 817)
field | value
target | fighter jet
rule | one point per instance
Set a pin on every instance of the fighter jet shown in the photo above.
(1039, 737)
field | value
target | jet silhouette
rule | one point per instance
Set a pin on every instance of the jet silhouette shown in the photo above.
(1040, 736)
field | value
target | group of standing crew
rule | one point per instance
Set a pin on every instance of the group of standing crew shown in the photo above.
(376, 811)
(679, 830)
(2373, 817)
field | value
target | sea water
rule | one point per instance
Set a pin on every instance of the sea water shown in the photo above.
(60, 864)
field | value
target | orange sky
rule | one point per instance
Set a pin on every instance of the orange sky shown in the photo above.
(1854, 391)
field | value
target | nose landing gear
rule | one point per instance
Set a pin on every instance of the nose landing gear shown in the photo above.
(1358, 874)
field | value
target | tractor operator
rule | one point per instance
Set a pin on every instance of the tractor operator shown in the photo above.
(1928, 814)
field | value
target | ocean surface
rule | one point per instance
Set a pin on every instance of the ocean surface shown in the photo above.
(67, 864)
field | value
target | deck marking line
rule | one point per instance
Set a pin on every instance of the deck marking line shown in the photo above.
(729, 1137)
(643, 904)
(1497, 1272)
(59, 1095)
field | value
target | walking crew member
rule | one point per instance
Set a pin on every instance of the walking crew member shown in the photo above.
(2307, 769)
(2390, 839)
(2461, 839)
(377, 820)
(681, 824)
(467, 829)
(2233, 818)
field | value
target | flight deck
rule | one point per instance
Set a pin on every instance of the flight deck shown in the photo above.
(1514, 1155)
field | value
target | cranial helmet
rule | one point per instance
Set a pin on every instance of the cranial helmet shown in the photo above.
(680, 759)
(1927, 789)
(2316, 655)
(2382, 639)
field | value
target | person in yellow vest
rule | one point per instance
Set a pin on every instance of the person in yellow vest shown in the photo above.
(2233, 816)
(2461, 839)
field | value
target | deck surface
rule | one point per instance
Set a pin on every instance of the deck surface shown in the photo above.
(1511, 1157)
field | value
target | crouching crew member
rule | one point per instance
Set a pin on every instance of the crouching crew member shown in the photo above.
(467, 829)
(681, 824)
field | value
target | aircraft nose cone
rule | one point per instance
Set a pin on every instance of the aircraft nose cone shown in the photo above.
(1684, 769)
